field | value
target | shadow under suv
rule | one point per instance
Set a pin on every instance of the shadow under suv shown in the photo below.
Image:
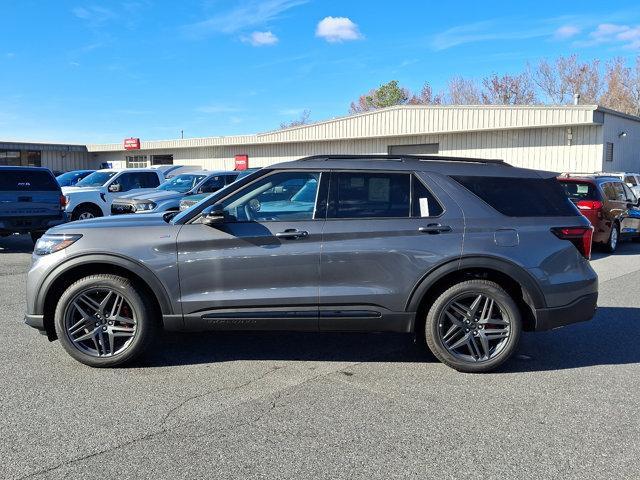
(463, 253)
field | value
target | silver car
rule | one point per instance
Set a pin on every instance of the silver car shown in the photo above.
(464, 254)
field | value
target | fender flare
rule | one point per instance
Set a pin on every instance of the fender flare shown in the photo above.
(126, 263)
(518, 273)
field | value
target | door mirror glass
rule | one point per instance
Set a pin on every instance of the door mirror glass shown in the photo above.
(213, 215)
(114, 187)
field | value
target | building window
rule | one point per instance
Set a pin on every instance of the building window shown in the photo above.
(10, 157)
(137, 161)
(417, 149)
(34, 158)
(608, 152)
(161, 159)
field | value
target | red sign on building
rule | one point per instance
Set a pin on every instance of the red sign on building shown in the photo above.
(132, 144)
(242, 162)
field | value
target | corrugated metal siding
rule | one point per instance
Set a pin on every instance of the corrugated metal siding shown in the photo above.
(541, 148)
(397, 121)
(626, 150)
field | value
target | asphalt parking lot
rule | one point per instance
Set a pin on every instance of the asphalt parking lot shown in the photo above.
(294, 406)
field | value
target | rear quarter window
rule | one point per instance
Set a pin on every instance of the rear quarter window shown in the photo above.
(580, 190)
(521, 197)
(27, 181)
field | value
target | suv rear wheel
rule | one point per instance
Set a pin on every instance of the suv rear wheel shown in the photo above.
(474, 326)
(104, 321)
(614, 238)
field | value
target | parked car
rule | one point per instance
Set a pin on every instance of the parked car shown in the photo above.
(170, 171)
(379, 249)
(71, 178)
(167, 196)
(631, 179)
(189, 201)
(30, 201)
(92, 196)
(608, 203)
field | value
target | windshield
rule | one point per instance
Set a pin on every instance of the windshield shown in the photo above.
(69, 178)
(96, 179)
(182, 183)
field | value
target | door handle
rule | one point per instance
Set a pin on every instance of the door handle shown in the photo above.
(292, 233)
(434, 229)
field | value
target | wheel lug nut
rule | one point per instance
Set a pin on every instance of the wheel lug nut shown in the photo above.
(104, 328)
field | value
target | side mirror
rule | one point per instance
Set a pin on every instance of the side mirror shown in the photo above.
(114, 187)
(213, 215)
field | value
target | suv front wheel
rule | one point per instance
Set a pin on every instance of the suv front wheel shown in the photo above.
(104, 321)
(474, 326)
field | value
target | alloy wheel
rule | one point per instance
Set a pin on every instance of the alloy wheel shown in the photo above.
(474, 327)
(100, 322)
(85, 216)
(614, 238)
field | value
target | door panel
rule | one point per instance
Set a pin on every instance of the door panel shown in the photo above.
(375, 263)
(256, 273)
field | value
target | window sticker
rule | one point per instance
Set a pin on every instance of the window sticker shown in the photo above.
(424, 207)
(379, 189)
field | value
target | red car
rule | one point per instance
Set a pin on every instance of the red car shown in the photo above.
(609, 204)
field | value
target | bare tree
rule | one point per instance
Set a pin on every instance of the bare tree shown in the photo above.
(566, 76)
(426, 97)
(508, 90)
(619, 84)
(302, 120)
(463, 91)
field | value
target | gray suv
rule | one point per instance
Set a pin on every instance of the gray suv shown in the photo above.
(463, 253)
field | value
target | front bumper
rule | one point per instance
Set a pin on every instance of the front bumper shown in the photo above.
(580, 310)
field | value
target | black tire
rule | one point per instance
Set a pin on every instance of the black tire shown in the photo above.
(614, 239)
(488, 289)
(35, 236)
(143, 310)
(85, 210)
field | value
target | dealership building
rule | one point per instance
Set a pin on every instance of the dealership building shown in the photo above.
(574, 138)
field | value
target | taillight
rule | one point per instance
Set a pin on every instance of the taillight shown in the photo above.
(589, 205)
(581, 237)
(63, 202)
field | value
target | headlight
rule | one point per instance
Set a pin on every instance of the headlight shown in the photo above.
(54, 243)
(144, 207)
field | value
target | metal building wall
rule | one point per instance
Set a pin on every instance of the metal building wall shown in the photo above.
(538, 148)
(626, 149)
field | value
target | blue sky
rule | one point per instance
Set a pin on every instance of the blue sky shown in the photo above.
(96, 71)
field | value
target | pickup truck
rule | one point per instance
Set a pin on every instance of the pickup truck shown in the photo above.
(30, 201)
(92, 196)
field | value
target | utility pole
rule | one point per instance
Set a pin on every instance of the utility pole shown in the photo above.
(182, 134)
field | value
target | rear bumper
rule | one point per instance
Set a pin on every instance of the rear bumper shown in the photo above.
(579, 310)
(31, 224)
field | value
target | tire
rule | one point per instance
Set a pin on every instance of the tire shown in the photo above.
(478, 328)
(110, 342)
(35, 236)
(85, 211)
(614, 239)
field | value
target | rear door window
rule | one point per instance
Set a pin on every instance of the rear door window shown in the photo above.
(521, 197)
(370, 195)
(27, 181)
(578, 191)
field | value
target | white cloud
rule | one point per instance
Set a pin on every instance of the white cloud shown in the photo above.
(249, 14)
(487, 30)
(94, 15)
(566, 31)
(627, 36)
(337, 29)
(261, 39)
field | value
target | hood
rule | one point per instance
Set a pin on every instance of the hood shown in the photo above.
(137, 193)
(154, 195)
(111, 222)
(70, 190)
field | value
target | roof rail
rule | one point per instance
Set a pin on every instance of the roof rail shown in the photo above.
(402, 158)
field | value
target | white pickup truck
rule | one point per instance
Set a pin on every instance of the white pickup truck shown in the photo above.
(92, 196)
